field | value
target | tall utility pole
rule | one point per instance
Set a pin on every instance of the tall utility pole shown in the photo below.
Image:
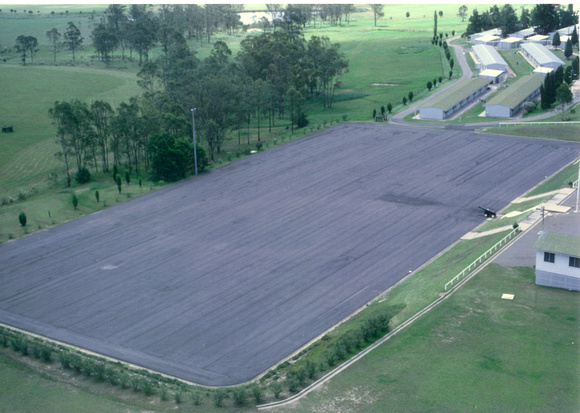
(194, 143)
(578, 186)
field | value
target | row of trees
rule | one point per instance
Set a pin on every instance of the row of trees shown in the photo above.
(544, 17)
(556, 86)
(272, 77)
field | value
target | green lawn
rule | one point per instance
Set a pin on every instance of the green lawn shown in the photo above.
(517, 63)
(474, 352)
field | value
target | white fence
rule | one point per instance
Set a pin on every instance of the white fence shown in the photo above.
(537, 123)
(477, 263)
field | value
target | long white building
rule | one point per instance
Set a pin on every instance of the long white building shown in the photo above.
(508, 101)
(541, 56)
(489, 58)
(449, 102)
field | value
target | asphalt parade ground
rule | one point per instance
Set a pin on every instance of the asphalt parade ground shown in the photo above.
(218, 277)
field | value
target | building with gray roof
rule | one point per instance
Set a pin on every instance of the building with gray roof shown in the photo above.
(449, 102)
(541, 56)
(492, 32)
(489, 57)
(510, 43)
(523, 34)
(509, 100)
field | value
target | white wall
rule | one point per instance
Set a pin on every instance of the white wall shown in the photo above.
(561, 265)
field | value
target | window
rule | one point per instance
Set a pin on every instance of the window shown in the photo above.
(575, 262)
(549, 257)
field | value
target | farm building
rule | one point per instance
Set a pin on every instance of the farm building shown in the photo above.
(558, 260)
(523, 34)
(539, 38)
(510, 43)
(489, 58)
(494, 76)
(509, 101)
(541, 56)
(453, 99)
(492, 32)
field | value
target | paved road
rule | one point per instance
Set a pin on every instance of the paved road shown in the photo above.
(217, 278)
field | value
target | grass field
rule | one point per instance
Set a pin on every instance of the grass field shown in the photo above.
(474, 352)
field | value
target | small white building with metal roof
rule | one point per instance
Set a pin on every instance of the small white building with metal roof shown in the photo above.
(509, 100)
(541, 56)
(558, 260)
(523, 34)
(490, 40)
(539, 38)
(492, 32)
(510, 43)
(542, 71)
(449, 102)
(489, 57)
(494, 76)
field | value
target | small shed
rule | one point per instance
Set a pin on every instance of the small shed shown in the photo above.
(490, 40)
(495, 76)
(508, 101)
(542, 71)
(523, 34)
(539, 38)
(510, 43)
(492, 32)
(558, 260)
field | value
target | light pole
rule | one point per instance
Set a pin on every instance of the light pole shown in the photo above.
(578, 186)
(194, 144)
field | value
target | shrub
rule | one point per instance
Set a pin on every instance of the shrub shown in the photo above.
(22, 219)
(75, 201)
(83, 176)
(119, 183)
(115, 172)
(240, 397)
(218, 397)
(127, 177)
(302, 120)
(97, 196)
(256, 393)
(293, 384)
(140, 182)
(46, 354)
(196, 398)
(178, 397)
(164, 395)
(276, 389)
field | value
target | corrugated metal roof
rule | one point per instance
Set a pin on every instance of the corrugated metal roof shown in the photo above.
(487, 55)
(457, 93)
(541, 54)
(517, 92)
(558, 243)
(511, 40)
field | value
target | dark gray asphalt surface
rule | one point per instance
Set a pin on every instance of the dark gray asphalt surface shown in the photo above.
(217, 278)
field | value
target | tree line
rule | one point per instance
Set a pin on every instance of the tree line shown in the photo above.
(271, 78)
(545, 18)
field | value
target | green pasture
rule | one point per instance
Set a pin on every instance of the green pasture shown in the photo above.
(474, 352)
(27, 155)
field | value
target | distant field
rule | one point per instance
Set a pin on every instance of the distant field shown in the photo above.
(27, 155)
(474, 352)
